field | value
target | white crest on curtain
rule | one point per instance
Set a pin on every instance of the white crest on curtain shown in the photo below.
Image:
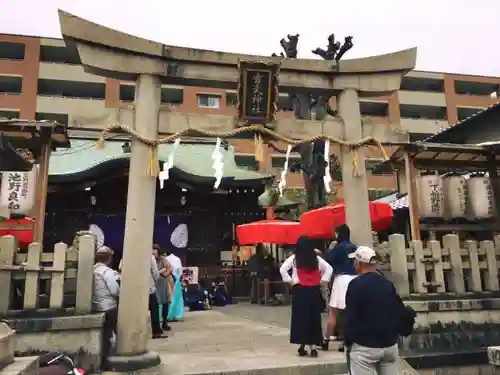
(165, 173)
(218, 165)
(179, 236)
(327, 178)
(282, 183)
(98, 233)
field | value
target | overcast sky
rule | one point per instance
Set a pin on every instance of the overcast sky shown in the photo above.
(459, 36)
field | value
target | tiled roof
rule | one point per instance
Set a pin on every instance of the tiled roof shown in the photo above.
(193, 159)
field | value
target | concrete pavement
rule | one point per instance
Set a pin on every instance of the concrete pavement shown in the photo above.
(239, 339)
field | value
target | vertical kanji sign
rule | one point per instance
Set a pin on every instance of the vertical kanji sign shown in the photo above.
(18, 191)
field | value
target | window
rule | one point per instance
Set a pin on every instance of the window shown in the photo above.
(71, 89)
(58, 54)
(59, 118)
(12, 51)
(246, 162)
(278, 162)
(208, 101)
(11, 85)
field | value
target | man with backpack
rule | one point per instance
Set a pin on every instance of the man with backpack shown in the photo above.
(375, 317)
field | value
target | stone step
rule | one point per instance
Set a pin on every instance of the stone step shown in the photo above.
(7, 336)
(22, 366)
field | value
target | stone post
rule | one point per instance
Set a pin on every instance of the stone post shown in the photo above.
(132, 335)
(356, 200)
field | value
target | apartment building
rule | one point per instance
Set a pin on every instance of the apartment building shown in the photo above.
(39, 79)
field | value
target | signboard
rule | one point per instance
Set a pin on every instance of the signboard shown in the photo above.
(18, 191)
(258, 92)
(190, 275)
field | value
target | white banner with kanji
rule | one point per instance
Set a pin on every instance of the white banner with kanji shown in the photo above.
(18, 191)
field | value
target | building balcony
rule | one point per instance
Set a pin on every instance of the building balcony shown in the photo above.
(475, 101)
(72, 106)
(431, 99)
(423, 126)
(66, 72)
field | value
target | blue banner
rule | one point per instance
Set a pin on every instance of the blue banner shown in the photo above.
(170, 232)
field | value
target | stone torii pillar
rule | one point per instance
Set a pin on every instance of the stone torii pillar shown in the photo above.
(357, 209)
(132, 335)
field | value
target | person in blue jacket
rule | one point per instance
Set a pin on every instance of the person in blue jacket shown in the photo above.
(343, 271)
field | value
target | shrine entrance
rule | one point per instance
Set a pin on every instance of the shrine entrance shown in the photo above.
(258, 80)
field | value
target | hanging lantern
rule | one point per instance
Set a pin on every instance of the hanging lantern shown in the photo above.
(430, 197)
(455, 195)
(480, 193)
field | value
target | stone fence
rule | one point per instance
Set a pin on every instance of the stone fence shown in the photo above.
(47, 296)
(454, 288)
(434, 269)
(39, 280)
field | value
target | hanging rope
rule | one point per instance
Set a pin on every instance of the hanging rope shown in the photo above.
(153, 168)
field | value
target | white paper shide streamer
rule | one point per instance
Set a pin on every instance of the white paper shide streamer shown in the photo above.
(327, 178)
(165, 173)
(282, 183)
(218, 165)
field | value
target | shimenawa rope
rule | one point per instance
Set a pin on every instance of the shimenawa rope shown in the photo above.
(153, 167)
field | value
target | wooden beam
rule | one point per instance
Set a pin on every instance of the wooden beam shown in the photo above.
(411, 185)
(41, 190)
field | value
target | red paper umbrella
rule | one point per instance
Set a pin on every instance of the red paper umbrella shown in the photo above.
(268, 231)
(321, 223)
(24, 236)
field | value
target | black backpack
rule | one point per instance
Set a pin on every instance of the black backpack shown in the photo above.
(407, 321)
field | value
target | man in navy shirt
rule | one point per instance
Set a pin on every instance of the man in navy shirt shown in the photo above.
(372, 318)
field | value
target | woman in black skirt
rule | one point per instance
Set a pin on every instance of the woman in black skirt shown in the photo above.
(309, 271)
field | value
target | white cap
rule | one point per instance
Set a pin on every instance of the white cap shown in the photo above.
(105, 250)
(364, 254)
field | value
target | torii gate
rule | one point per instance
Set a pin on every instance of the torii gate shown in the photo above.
(110, 53)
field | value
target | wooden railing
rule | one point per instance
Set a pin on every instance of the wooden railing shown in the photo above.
(26, 278)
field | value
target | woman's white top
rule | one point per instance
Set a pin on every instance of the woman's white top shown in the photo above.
(324, 268)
